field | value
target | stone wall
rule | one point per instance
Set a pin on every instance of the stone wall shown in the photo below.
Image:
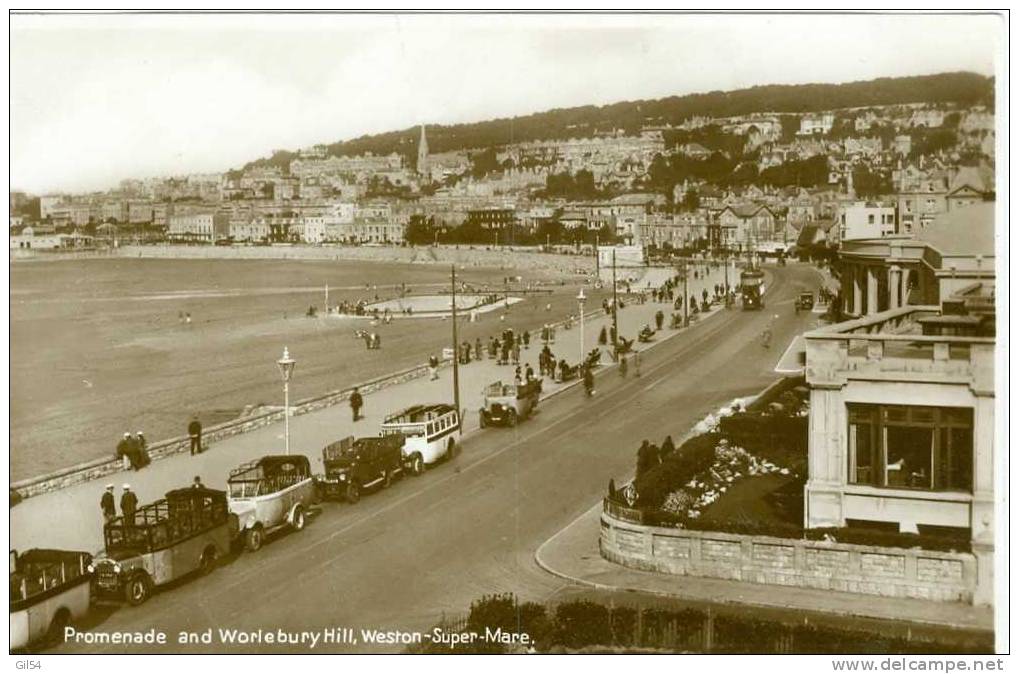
(886, 572)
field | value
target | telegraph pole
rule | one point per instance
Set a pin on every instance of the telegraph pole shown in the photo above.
(615, 311)
(327, 299)
(686, 295)
(456, 356)
(597, 256)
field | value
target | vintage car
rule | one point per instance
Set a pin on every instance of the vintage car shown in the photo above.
(49, 589)
(353, 465)
(430, 433)
(506, 404)
(805, 301)
(270, 493)
(185, 532)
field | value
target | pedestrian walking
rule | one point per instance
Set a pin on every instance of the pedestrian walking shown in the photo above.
(478, 353)
(195, 433)
(529, 373)
(659, 319)
(128, 504)
(433, 367)
(516, 354)
(623, 367)
(356, 403)
(527, 339)
(108, 504)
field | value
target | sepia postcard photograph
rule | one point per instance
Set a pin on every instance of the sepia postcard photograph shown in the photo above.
(509, 333)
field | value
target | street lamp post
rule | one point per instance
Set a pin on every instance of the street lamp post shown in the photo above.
(286, 365)
(581, 298)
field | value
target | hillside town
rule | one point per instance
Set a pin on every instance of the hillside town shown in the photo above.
(767, 181)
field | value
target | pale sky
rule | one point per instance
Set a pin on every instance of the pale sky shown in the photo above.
(99, 98)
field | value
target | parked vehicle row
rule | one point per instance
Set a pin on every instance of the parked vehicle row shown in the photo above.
(190, 529)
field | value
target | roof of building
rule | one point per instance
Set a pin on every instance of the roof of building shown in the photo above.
(980, 178)
(962, 231)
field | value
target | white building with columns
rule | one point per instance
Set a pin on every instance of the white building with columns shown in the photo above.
(893, 271)
(902, 395)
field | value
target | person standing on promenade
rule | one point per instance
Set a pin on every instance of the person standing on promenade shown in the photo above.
(108, 505)
(143, 450)
(123, 450)
(195, 433)
(197, 483)
(433, 367)
(128, 504)
(356, 403)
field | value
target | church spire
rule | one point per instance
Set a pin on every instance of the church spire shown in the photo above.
(422, 167)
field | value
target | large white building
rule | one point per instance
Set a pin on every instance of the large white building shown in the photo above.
(199, 227)
(902, 397)
(865, 220)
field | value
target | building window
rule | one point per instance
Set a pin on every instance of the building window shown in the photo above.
(911, 447)
(870, 219)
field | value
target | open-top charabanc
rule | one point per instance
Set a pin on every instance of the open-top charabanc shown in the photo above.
(506, 404)
(430, 433)
(49, 589)
(185, 532)
(272, 492)
(353, 465)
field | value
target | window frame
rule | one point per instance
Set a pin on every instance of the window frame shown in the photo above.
(940, 421)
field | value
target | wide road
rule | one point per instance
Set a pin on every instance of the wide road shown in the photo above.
(401, 558)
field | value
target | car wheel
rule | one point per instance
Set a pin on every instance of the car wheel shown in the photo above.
(253, 538)
(353, 493)
(208, 561)
(512, 418)
(62, 619)
(298, 519)
(482, 421)
(387, 479)
(138, 589)
(417, 466)
(451, 448)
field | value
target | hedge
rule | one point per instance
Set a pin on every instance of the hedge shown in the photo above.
(583, 624)
(695, 456)
(779, 439)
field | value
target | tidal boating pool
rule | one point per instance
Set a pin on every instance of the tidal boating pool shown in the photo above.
(100, 347)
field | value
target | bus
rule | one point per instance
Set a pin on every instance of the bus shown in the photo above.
(431, 432)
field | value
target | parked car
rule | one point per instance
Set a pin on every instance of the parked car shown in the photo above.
(49, 589)
(270, 493)
(185, 532)
(430, 433)
(509, 403)
(353, 465)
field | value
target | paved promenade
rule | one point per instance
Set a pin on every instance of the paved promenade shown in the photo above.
(77, 508)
